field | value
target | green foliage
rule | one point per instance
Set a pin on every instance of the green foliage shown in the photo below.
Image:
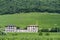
(44, 30)
(16, 6)
(40, 33)
(47, 34)
(2, 33)
(30, 36)
(56, 29)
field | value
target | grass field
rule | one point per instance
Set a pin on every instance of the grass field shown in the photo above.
(44, 20)
(30, 36)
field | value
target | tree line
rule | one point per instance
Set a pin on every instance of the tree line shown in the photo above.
(54, 29)
(17, 6)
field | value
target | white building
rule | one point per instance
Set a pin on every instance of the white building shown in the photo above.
(30, 28)
(10, 28)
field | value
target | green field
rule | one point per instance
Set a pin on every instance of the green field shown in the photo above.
(44, 20)
(30, 36)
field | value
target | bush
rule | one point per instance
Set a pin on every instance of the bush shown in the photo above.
(47, 34)
(40, 33)
(2, 33)
(44, 30)
(56, 29)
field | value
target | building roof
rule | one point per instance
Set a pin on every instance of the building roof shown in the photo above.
(10, 25)
(32, 26)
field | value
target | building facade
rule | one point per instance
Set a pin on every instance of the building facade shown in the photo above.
(30, 28)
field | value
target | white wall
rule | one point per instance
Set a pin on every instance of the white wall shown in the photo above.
(29, 29)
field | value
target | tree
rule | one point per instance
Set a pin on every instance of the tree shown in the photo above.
(56, 29)
(40, 33)
(16, 6)
(2, 31)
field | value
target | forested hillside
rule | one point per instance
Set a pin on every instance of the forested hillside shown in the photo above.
(16, 6)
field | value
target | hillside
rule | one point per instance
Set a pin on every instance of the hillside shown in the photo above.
(23, 19)
(17, 6)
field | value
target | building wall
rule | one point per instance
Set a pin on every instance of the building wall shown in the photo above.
(10, 29)
(32, 29)
(29, 29)
(21, 30)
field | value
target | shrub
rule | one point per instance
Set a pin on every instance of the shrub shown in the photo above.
(44, 30)
(2, 33)
(40, 33)
(47, 34)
